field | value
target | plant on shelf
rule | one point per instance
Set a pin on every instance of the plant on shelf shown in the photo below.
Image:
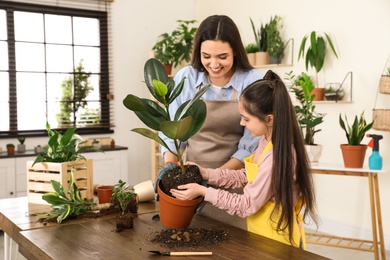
(334, 92)
(176, 47)
(316, 52)
(354, 152)
(186, 122)
(275, 43)
(251, 50)
(10, 149)
(307, 116)
(260, 36)
(63, 147)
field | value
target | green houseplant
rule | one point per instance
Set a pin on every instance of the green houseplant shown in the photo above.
(61, 155)
(186, 122)
(251, 50)
(10, 149)
(176, 47)
(21, 145)
(316, 52)
(354, 152)
(126, 198)
(275, 43)
(262, 56)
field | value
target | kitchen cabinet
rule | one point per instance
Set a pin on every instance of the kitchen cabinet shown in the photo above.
(108, 168)
(7, 175)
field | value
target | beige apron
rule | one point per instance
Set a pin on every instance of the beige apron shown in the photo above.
(260, 222)
(214, 144)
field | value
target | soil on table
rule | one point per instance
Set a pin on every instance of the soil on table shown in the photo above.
(173, 178)
(191, 237)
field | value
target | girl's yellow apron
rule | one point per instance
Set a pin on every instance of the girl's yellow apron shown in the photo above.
(261, 222)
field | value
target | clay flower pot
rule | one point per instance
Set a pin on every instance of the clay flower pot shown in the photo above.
(175, 213)
(104, 193)
(353, 155)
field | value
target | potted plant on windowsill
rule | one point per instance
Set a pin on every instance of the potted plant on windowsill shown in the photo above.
(175, 48)
(21, 145)
(186, 122)
(10, 149)
(354, 152)
(308, 117)
(251, 50)
(315, 55)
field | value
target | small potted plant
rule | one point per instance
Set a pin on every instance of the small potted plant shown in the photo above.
(126, 199)
(315, 54)
(308, 117)
(10, 149)
(354, 152)
(186, 122)
(21, 146)
(172, 49)
(334, 92)
(251, 50)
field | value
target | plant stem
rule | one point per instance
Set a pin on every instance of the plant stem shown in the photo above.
(179, 156)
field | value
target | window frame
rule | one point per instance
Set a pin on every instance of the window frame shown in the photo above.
(105, 125)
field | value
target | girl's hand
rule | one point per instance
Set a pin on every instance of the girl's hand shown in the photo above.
(189, 191)
(203, 171)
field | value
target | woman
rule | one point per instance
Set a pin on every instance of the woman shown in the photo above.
(277, 179)
(219, 58)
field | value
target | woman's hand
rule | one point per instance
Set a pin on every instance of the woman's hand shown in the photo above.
(189, 191)
(203, 170)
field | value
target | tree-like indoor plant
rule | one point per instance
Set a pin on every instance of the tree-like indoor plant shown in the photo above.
(308, 117)
(354, 152)
(174, 48)
(315, 55)
(62, 154)
(262, 56)
(186, 122)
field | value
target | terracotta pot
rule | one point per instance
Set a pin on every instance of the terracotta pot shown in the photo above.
(11, 150)
(319, 92)
(353, 155)
(168, 68)
(175, 213)
(104, 193)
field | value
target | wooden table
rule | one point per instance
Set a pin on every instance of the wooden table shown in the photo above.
(376, 245)
(95, 239)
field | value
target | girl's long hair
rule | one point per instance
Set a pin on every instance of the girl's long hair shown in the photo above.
(270, 96)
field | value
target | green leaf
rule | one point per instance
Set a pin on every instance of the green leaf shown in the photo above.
(177, 129)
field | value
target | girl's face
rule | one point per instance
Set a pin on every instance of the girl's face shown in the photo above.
(255, 126)
(217, 57)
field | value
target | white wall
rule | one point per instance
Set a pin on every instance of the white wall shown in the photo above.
(360, 31)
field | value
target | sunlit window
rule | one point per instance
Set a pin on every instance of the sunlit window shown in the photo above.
(53, 67)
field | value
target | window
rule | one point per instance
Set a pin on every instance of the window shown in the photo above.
(54, 67)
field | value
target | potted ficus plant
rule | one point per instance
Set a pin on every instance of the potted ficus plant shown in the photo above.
(126, 199)
(62, 153)
(186, 122)
(308, 117)
(315, 55)
(354, 152)
(174, 48)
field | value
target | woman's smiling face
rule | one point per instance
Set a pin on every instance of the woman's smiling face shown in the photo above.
(217, 57)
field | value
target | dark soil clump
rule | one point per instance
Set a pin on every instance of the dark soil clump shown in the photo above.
(191, 237)
(173, 178)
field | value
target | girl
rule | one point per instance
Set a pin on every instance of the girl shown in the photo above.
(276, 179)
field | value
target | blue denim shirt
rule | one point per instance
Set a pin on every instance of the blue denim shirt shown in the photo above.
(239, 81)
